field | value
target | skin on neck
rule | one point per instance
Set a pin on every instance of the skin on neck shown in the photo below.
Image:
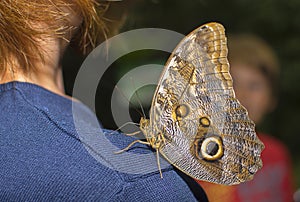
(48, 73)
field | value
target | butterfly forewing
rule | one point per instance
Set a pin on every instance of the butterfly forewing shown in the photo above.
(206, 131)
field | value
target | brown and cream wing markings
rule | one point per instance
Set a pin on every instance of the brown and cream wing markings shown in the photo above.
(196, 122)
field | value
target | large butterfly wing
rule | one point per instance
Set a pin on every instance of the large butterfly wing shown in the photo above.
(207, 132)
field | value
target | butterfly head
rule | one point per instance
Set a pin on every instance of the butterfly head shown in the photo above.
(155, 139)
(145, 128)
(144, 124)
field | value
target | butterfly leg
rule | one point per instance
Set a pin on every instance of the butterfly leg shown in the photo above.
(158, 163)
(131, 144)
(133, 134)
(156, 143)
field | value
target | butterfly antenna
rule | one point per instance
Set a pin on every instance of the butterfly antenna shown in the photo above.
(138, 98)
(125, 124)
(134, 133)
(122, 93)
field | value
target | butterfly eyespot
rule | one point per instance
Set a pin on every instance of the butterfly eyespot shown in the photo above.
(211, 148)
(182, 111)
(204, 121)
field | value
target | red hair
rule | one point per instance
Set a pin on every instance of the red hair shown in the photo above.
(19, 36)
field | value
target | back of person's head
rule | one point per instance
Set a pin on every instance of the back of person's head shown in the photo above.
(21, 33)
(255, 71)
(254, 52)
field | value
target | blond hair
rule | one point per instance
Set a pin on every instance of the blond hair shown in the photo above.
(19, 36)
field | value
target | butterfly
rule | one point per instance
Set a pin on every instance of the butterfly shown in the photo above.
(195, 121)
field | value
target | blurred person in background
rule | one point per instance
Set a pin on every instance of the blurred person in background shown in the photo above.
(255, 71)
(42, 156)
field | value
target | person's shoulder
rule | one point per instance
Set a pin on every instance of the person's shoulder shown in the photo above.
(139, 170)
(78, 157)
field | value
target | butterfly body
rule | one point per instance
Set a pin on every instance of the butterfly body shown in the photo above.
(196, 122)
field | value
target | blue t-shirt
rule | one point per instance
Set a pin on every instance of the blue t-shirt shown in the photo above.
(45, 154)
